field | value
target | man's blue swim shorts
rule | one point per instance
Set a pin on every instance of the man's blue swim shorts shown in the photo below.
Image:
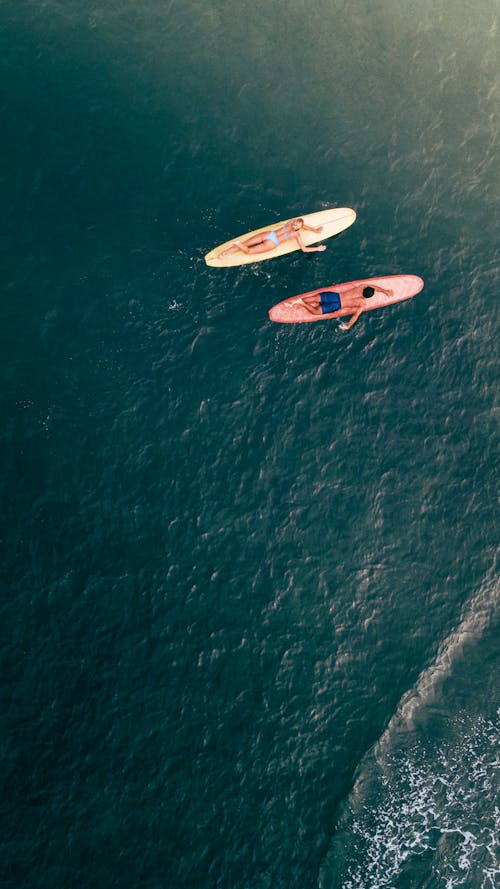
(329, 301)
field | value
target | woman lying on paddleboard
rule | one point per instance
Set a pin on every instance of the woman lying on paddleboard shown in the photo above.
(269, 240)
(328, 301)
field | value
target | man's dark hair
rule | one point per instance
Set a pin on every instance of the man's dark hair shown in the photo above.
(368, 291)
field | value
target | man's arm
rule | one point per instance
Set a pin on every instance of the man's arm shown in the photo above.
(387, 292)
(347, 325)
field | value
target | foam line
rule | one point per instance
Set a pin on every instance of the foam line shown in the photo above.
(481, 611)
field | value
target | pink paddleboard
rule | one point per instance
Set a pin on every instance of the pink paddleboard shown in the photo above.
(289, 311)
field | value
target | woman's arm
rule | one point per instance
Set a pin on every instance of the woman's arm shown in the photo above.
(305, 249)
(310, 228)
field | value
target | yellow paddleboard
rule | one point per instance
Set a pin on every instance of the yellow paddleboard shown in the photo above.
(332, 221)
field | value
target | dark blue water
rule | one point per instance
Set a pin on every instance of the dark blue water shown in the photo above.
(250, 611)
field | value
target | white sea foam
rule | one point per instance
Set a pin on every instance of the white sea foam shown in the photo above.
(422, 805)
(430, 804)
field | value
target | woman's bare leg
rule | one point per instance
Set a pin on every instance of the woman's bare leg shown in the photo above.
(256, 244)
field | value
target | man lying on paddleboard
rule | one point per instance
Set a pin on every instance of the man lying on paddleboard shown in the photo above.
(354, 300)
(269, 240)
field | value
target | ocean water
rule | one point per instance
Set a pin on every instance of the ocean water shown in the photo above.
(250, 571)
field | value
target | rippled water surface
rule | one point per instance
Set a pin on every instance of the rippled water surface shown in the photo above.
(250, 612)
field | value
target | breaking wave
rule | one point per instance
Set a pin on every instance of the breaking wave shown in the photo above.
(424, 809)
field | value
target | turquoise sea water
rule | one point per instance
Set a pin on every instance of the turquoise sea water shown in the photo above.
(250, 610)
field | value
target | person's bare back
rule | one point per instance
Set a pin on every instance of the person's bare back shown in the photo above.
(353, 300)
